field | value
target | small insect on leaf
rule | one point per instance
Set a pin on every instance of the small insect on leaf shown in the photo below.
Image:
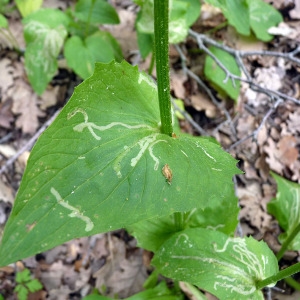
(167, 172)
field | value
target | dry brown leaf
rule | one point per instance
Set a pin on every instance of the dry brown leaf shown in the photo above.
(295, 13)
(283, 154)
(49, 97)
(52, 278)
(251, 200)
(202, 103)
(6, 75)
(177, 84)
(7, 150)
(295, 168)
(211, 16)
(287, 153)
(294, 122)
(6, 116)
(121, 275)
(6, 193)
(262, 167)
(124, 32)
(25, 105)
(272, 160)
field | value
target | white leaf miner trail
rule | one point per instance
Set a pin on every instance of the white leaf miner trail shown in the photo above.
(146, 143)
(76, 213)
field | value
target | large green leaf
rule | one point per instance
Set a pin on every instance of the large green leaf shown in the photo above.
(286, 209)
(226, 267)
(3, 21)
(183, 13)
(223, 216)
(96, 12)
(26, 7)
(262, 17)
(98, 167)
(44, 33)
(236, 12)
(99, 47)
(217, 76)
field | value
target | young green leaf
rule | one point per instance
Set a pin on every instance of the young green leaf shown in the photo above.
(223, 216)
(34, 285)
(21, 291)
(262, 17)
(3, 22)
(23, 276)
(217, 76)
(236, 12)
(44, 33)
(286, 209)
(98, 167)
(96, 297)
(226, 267)
(99, 47)
(183, 13)
(96, 12)
(26, 7)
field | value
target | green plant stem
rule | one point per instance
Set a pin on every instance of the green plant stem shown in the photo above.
(151, 63)
(287, 242)
(293, 283)
(179, 221)
(10, 37)
(161, 40)
(88, 21)
(279, 276)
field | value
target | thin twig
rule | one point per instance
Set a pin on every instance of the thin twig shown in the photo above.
(189, 119)
(288, 56)
(202, 39)
(205, 88)
(254, 134)
(29, 144)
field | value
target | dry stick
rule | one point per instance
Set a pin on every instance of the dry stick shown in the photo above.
(29, 144)
(273, 95)
(236, 53)
(189, 119)
(205, 88)
(254, 134)
(288, 56)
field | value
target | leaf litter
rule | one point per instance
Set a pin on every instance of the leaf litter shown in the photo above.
(113, 261)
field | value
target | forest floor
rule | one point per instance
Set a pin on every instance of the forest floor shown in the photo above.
(260, 132)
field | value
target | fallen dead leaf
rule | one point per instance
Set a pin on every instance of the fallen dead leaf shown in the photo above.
(287, 153)
(211, 16)
(25, 106)
(202, 103)
(252, 209)
(6, 193)
(124, 32)
(49, 97)
(294, 122)
(6, 75)
(177, 84)
(7, 150)
(121, 275)
(6, 116)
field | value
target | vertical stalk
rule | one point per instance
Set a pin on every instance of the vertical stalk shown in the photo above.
(287, 242)
(161, 40)
(289, 271)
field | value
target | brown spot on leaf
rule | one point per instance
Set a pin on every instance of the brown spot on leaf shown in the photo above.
(167, 172)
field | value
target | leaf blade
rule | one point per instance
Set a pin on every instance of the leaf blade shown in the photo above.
(226, 267)
(102, 167)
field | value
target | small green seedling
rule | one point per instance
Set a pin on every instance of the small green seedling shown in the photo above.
(47, 31)
(286, 209)
(26, 285)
